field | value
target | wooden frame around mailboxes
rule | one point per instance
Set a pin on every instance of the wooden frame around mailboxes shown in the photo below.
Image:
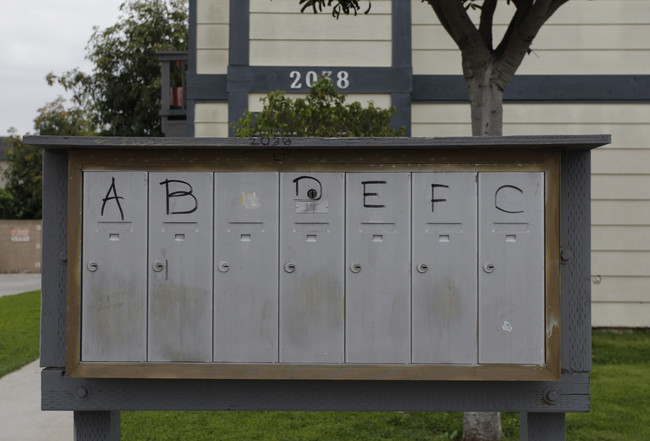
(317, 159)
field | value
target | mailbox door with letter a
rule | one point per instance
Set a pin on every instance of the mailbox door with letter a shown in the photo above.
(114, 262)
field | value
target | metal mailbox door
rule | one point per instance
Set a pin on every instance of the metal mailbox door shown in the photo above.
(444, 268)
(311, 267)
(246, 273)
(180, 266)
(378, 254)
(114, 266)
(511, 268)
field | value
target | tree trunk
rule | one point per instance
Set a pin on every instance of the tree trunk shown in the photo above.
(481, 426)
(486, 100)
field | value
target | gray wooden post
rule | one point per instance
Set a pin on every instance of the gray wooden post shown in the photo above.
(97, 426)
(542, 426)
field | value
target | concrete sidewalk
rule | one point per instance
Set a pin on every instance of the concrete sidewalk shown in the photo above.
(19, 283)
(21, 418)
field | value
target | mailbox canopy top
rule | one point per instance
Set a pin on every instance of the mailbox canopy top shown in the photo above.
(542, 142)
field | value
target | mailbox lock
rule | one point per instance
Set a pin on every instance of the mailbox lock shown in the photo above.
(355, 267)
(312, 193)
(158, 266)
(488, 267)
(423, 268)
(92, 266)
(224, 266)
(289, 267)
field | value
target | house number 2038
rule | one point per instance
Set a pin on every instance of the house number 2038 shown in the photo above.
(342, 80)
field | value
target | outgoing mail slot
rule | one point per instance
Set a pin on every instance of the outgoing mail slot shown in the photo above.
(114, 273)
(311, 267)
(180, 266)
(511, 268)
(246, 270)
(444, 268)
(378, 254)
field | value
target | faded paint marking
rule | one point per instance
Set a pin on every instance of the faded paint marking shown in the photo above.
(249, 200)
(553, 322)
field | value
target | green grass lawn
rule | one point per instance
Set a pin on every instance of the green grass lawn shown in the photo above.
(620, 400)
(19, 330)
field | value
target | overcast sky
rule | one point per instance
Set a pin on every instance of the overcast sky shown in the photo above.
(38, 37)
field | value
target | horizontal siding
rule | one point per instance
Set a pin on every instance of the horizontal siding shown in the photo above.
(620, 212)
(582, 38)
(212, 36)
(380, 100)
(620, 187)
(621, 263)
(211, 120)
(314, 27)
(621, 238)
(293, 7)
(320, 53)
(281, 36)
(211, 130)
(574, 12)
(545, 62)
(212, 11)
(627, 289)
(551, 37)
(622, 161)
(618, 315)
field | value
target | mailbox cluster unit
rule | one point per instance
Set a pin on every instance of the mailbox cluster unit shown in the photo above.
(317, 274)
(300, 267)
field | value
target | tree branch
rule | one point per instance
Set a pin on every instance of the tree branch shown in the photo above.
(487, 19)
(459, 26)
(524, 30)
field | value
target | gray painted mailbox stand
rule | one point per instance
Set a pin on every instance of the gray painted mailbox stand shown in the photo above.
(541, 368)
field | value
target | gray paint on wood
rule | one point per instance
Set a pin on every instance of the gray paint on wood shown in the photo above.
(180, 266)
(54, 262)
(511, 268)
(445, 292)
(378, 303)
(60, 393)
(542, 426)
(575, 243)
(311, 267)
(541, 88)
(246, 270)
(239, 26)
(114, 266)
(514, 143)
(97, 426)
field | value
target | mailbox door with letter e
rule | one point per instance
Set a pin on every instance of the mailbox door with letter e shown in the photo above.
(378, 256)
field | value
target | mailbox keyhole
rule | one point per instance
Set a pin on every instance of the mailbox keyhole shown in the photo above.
(312, 194)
